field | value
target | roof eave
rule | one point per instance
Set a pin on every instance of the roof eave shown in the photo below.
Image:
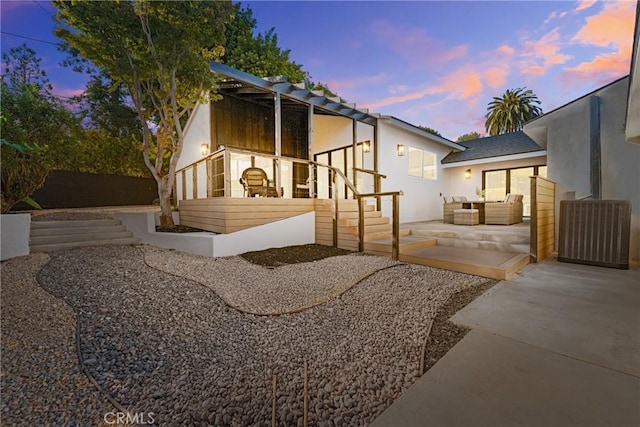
(503, 158)
(416, 130)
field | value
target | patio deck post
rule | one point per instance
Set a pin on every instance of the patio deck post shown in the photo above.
(335, 208)
(354, 134)
(278, 139)
(312, 169)
(227, 173)
(396, 227)
(376, 178)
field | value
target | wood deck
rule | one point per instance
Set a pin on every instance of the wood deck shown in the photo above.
(230, 214)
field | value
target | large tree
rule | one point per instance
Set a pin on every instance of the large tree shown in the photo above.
(511, 111)
(258, 54)
(160, 52)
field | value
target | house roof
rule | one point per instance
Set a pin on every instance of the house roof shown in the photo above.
(256, 89)
(421, 132)
(493, 146)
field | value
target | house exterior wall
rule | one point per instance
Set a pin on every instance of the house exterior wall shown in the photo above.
(331, 132)
(421, 200)
(568, 151)
(457, 185)
(197, 132)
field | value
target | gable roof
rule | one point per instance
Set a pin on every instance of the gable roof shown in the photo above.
(494, 146)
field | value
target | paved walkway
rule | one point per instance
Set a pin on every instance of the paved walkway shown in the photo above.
(557, 345)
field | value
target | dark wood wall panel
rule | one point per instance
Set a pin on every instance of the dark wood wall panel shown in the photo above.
(250, 125)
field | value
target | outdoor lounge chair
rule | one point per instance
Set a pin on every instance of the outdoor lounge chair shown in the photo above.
(504, 213)
(255, 182)
(450, 205)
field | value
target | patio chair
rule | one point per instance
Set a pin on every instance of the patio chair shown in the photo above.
(255, 182)
(450, 205)
(505, 213)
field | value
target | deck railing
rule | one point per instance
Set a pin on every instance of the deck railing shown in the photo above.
(221, 176)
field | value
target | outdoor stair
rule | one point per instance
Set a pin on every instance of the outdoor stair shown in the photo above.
(55, 235)
(492, 254)
(477, 238)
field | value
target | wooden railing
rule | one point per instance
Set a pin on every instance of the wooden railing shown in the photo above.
(335, 176)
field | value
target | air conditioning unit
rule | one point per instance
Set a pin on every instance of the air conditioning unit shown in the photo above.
(595, 232)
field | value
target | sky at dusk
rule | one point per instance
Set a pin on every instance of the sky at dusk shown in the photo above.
(430, 63)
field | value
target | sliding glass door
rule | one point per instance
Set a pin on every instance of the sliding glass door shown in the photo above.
(498, 183)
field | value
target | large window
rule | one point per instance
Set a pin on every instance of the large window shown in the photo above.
(422, 163)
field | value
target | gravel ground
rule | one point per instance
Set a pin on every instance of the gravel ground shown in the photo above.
(41, 381)
(167, 345)
(254, 289)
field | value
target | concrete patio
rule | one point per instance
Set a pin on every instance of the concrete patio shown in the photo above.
(559, 344)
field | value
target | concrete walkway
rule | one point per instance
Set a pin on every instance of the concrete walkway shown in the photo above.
(557, 345)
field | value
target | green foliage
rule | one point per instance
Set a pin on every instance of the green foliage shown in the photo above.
(37, 129)
(160, 52)
(430, 130)
(469, 136)
(257, 54)
(111, 140)
(511, 111)
(24, 169)
(322, 87)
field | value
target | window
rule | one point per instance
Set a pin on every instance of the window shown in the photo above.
(422, 163)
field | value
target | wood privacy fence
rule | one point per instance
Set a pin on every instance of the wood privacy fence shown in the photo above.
(68, 189)
(543, 202)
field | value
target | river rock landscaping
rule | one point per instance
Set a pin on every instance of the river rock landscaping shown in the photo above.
(161, 335)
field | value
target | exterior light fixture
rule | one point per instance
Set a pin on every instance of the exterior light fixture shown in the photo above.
(366, 146)
(204, 149)
(467, 174)
(400, 149)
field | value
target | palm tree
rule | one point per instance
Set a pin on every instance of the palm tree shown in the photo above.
(510, 112)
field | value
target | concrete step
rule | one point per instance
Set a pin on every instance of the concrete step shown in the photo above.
(484, 244)
(78, 237)
(55, 235)
(74, 223)
(474, 233)
(505, 239)
(71, 245)
(59, 230)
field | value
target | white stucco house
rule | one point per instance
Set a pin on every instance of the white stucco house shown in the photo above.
(287, 131)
